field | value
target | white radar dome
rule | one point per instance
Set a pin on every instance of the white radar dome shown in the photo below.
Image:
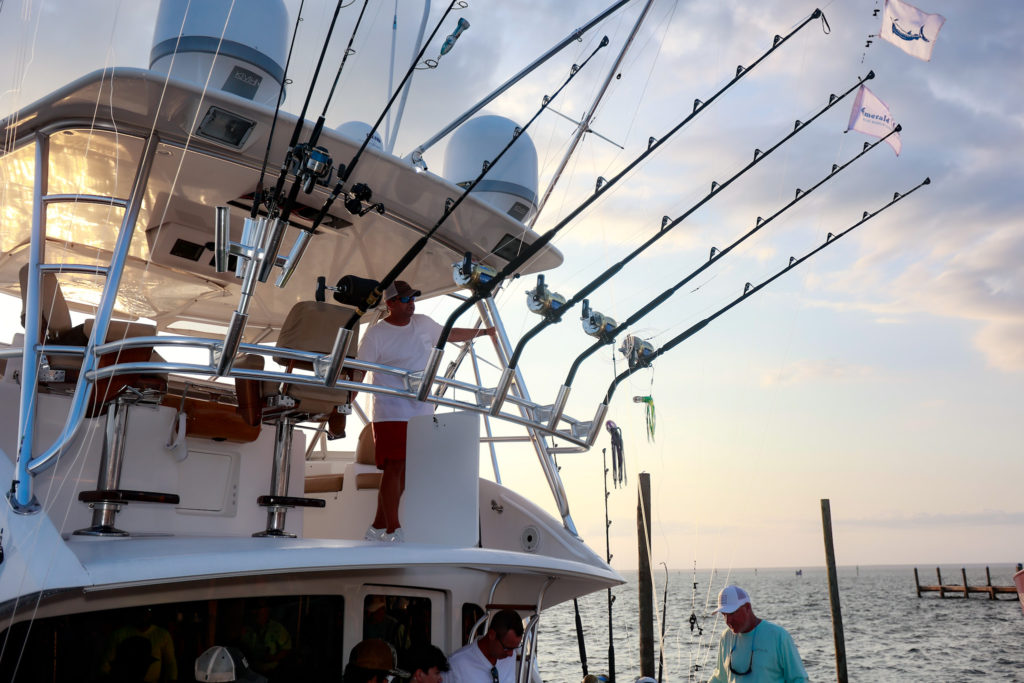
(358, 130)
(511, 186)
(248, 61)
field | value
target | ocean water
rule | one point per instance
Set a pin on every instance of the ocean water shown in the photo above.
(890, 633)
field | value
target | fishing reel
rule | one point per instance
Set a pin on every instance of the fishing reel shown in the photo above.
(354, 198)
(469, 274)
(596, 324)
(638, 352)
(350, 291)
(543, 301)
(312, 165)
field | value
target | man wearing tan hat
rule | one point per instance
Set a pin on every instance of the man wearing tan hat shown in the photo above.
(403, 339)
(753, 646)
(372, 661)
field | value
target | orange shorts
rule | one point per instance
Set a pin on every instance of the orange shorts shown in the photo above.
(388, 442)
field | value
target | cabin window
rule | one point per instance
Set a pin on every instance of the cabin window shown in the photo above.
(287, 638)
(402, 620)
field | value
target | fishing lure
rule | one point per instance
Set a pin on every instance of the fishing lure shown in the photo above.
(649, 414)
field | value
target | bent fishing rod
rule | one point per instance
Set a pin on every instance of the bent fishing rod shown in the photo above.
(606, 330)
(643, 357)
(483, 287)
(364, 294)
(553, 309)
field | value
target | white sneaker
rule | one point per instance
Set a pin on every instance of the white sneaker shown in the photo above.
(397, 536)
(375, 534)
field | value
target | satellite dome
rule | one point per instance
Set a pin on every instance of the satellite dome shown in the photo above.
(511, 186)
(248, 61)
(358, 130)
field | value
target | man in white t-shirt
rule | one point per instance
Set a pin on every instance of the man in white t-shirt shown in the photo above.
(489, 659)
(403, 339)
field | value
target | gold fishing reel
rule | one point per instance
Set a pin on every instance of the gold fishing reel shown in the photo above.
(543, 301)
(638, 352)
(470, 274)
(596, 324)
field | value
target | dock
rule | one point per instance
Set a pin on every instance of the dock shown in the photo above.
(964, 589)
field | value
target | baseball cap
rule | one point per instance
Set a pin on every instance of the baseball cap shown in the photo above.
(222, 664)
(375, 654)
(399, 288)
(730, 599)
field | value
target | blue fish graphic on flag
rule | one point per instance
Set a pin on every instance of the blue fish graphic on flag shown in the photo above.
(910, 29)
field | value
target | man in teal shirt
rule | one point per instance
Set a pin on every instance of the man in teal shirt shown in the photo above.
(753, 650)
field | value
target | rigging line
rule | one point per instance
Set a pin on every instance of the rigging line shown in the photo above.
(258, 197)
(374, 296)
(345, 171)
(753, 289)
(584, 125)
(555, 315)
(533, 249)
(716, 255)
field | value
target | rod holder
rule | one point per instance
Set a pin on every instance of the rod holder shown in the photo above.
(231, 343)
(501, 391)
(337, 357)
(221, 236)
(245, 245)
(595, 426)
(294, 256)
(559, 406)
(272, 246)
(430, 372)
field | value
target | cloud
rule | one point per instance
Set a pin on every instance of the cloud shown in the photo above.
(814, 370)
(925, 520)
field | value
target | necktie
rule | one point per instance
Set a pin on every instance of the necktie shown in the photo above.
(494, 674)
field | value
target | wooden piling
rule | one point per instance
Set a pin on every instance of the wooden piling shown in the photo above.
(645, 590)
(833, 593)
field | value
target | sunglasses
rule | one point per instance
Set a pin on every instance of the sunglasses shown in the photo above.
(404, 299)
(749, 664)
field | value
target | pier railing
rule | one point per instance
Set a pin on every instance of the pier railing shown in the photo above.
(964, 589)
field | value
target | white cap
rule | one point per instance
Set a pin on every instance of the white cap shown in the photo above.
(221, 664)
(731, 598)
(645, 679)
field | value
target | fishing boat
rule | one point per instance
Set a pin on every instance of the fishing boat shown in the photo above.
(189, 340)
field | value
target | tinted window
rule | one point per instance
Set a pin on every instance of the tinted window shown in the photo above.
(283, 638)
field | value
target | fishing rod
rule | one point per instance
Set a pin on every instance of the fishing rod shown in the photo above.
(543, 302)
(605, 328)
(643, 353)
(323, 169)
(293, 143)
(257, 199)
(664, 613)
(484, 286)
(359, 192)
(364, 294)
(314, 165)
(608, 559)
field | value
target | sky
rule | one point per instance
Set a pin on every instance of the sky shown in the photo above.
(885, 374)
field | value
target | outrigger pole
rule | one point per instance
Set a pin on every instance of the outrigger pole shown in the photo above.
(484, 287)
(607, 336)
(553, 313)
(376, 290)
(645, 360)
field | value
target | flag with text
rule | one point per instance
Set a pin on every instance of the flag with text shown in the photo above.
(870, 116)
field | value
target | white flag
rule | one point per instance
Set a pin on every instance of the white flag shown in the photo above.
(910, 29)
(871, 116)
